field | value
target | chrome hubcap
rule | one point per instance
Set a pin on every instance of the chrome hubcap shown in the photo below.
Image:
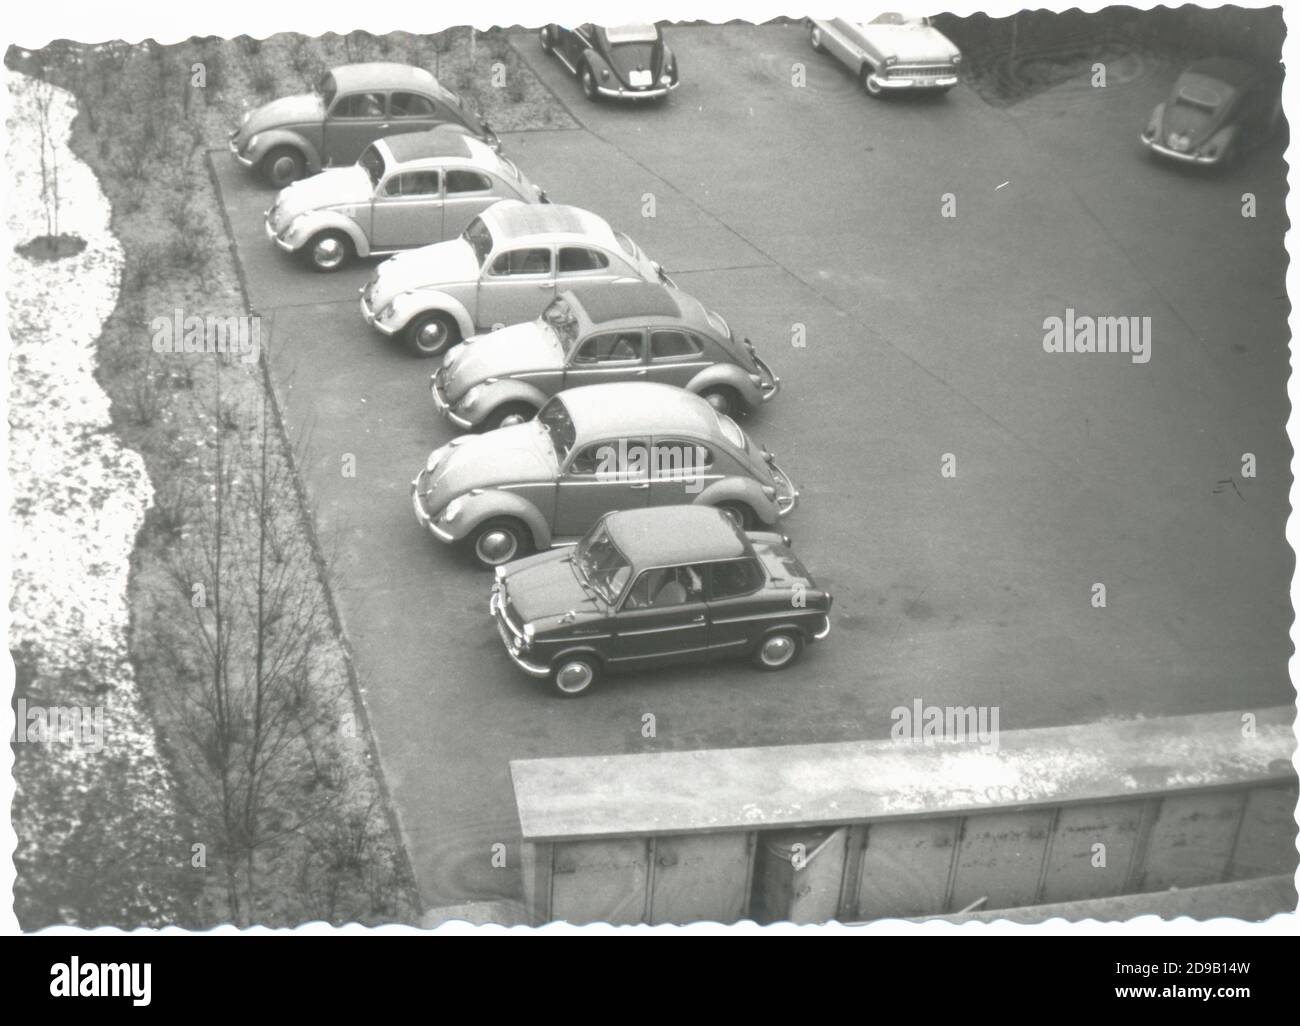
(496, 546)
(778, 650)
(328, 253)
(718, 401)
(573, 677)
(732, 515)
(510, 420)
(283, 169)
(432, 335)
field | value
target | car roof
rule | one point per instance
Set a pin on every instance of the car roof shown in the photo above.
(1227, 70)
(436, 142)
(616, 301)
(384, 75)
(662, 535)
(633, 408)
(514, 220)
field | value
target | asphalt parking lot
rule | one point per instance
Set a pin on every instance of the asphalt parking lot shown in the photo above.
(814, 209)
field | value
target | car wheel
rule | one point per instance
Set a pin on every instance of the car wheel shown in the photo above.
(548, 45)
(815, 37)
(723, 399)
(499, 541)
(575, 675)
(778, 650)
(282, 166)
(508, 415)
(872, 87)
(739, 514)
(431, 334)
(328, 251)
(589, 84)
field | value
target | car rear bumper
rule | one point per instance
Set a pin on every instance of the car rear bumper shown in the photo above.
(771, 385)
(644, 93)
(787, 495)
(825, 629)
(922, 82)
(512, 642)
(443, 406)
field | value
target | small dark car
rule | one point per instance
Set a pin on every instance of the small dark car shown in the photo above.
(628, 62)
(655, 587)
(1219, 108)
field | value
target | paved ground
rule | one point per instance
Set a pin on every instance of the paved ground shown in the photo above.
(780, 206)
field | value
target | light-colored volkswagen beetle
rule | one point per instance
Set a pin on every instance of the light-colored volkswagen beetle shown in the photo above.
(405, 191)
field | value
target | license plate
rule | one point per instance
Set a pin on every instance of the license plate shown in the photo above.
(639, 78)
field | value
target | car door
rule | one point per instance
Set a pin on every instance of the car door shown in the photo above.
(353, 123)
(599, 478)
(517, 286)
(407, 211)
(680, 468)
(607, 356)
(467, 194)
(737, 606)
(676, 356)
(663, 618)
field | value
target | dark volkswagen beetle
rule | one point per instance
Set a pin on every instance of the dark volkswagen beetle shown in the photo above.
(620, 61)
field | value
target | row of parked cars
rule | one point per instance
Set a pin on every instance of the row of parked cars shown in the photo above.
(600, 469)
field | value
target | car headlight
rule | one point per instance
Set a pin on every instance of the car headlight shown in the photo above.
(528, 635)
(435, 457)
(956, 58)
(452, 510)
(890, 61)
(386, 314)
(252, 143)
(471, 397)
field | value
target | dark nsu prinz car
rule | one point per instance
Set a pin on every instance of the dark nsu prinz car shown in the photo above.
(655, 587)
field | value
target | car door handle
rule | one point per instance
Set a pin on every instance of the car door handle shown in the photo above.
(641, 484)
(698, 619)
(544, 285)
(384, 125)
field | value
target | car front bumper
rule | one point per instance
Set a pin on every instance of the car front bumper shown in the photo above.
(1182, 156)
(271, 234)
(423, 518)
(369, 315)
(768, 389)
(514, 645)
(642, 93)
(787, 495)
(921, 82)
(443, 406)
(239, 157)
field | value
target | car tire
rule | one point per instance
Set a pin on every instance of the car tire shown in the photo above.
(739, 514)
(815, 37)
(283, 166)
(575, 675)
(499, 540)
(548, 45)
(508, 414)
(431, 334)
(724, 400)
(588, 78)
(873, 90)
(327, 251)
(778, 650)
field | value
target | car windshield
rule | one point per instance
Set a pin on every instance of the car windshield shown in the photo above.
(554, 419)
(478, 236)
(373, 161)
(601, 564)
(562, 321)
(327, 88)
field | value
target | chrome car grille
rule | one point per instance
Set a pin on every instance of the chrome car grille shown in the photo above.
(922, 71)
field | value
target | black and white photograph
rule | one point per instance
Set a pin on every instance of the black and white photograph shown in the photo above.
(744, 469)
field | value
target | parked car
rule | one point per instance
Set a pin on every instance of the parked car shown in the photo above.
(506, 267)
(890, 53)
(655, 587)
(1218, 109)
(405, 191)
(354, 105)
(591, 450)
(596, 334)
(627, 62)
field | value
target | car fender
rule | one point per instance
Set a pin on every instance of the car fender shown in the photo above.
(273, 137)
(499, 503)
(731, 376)
(507, 390)
(409, 304)
(307, 225)
(1223, 138)
(739, 489)
(593, 58)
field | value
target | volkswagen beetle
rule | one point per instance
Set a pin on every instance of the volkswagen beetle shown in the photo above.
(591, 450)
(625, 62)
(354, 105)
(505, 268)
(892, 52)
(656, 587)
(594, 334)
(1218, 109)
(405, 191)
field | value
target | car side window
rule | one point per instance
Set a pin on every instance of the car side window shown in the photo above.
(665, 587)
(413, 183)
(521, 262)
(468, 181)
(678, 459)
(576, 259)
(621, 459)
(673, 345)
(610, 347)
(410, 105)
(735, 577)
(359, 105)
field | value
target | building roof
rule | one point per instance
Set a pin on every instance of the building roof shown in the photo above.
(674, 534)
(638, 409)
(613, 301)
(383, 75)
(436, 142)
(514, 219)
